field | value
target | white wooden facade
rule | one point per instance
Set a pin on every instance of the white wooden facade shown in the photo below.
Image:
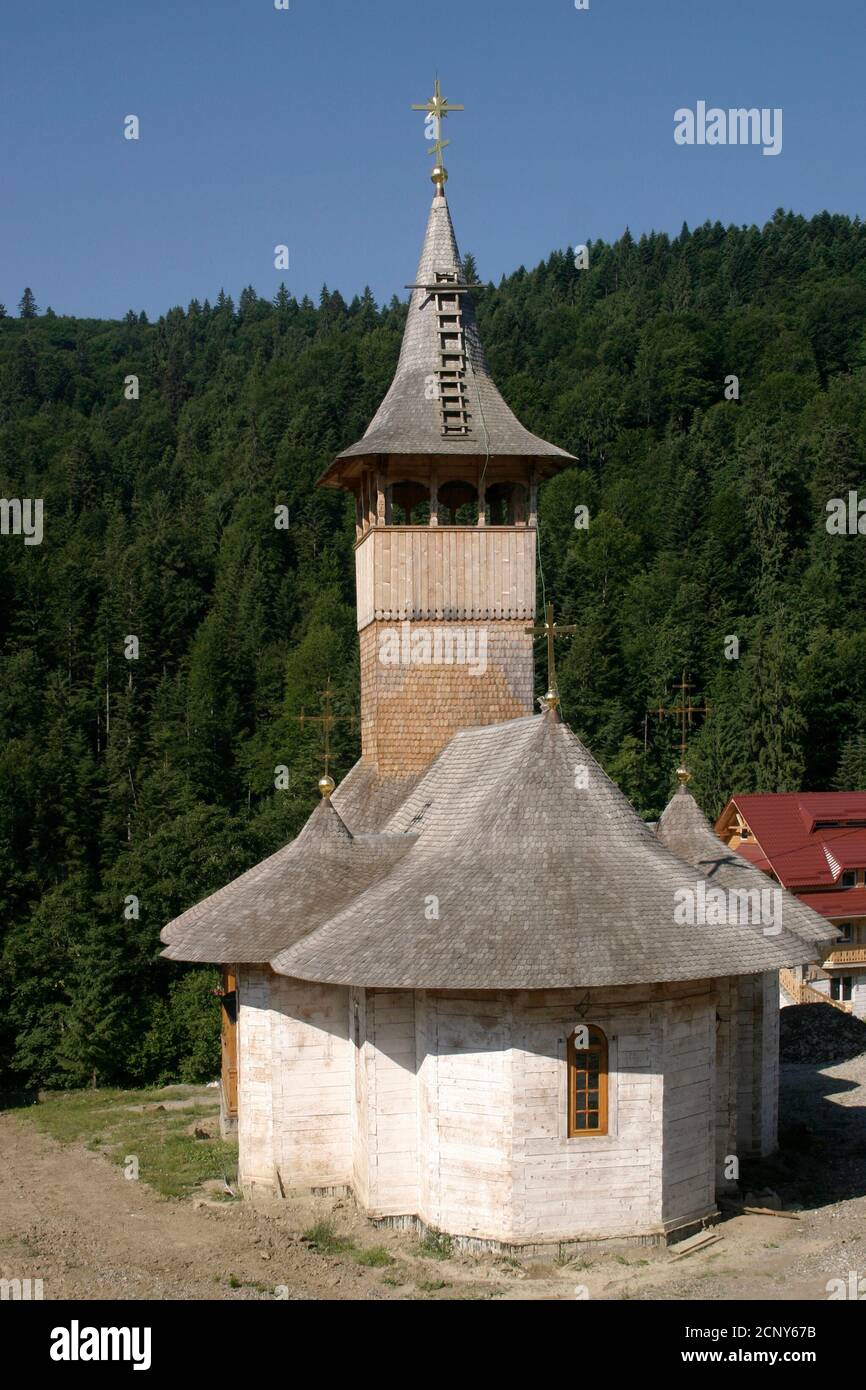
(449, 1109)
(425, 573)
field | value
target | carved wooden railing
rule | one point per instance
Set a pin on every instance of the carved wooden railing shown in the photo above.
(847, 955)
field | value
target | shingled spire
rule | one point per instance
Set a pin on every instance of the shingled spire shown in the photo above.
(442, 359)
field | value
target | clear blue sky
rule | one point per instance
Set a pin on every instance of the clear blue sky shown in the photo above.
(261, 126)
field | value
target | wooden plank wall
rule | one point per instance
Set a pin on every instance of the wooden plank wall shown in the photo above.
(420, 573)
(452, 1106)
(726, 1081)
(689, 1102)
(255, 1101)
(391, 1139)
(758, 1064)
(471, 1110)
(361, 1088)
(364, 581)
(770, 1063)
(601, 1185)
(312, 1083)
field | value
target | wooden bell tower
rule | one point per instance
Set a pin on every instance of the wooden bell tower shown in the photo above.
(445, 482)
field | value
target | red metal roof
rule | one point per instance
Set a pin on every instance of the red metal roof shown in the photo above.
(849, 903)
(755, 855)
(802, 851)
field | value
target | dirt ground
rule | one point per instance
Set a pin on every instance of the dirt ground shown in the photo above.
(69, 1217)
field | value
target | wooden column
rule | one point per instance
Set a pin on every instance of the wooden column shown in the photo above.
(482, 498)
(434, 497)
(379, 518)
(371, 498)
(533, 497)
(229, 1013)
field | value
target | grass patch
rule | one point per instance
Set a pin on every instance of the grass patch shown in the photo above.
(436, 1245)
(376, 1256)
(170, 1161)
(324, 1240)
(432, 1285)
(235, 1283)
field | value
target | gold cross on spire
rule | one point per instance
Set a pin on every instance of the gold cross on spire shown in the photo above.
(683, 711)
(327, 719)
(550, 630)
(436, 108)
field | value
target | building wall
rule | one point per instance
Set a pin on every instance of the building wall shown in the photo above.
(388, 1132)
(689, 1148)
(726, 1082)
(858, 994)
(361, 1097)
(603, 1185)
(255, 1099)
(758, 1065)
(467, 1113)
(493, 1115)
(431, 573)
(294, 1083)
(409, 711)
(452, 1106)
(312, 1083)
(858, 989)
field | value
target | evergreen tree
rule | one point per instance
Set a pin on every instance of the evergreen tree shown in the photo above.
(851, 772)
(155, 776)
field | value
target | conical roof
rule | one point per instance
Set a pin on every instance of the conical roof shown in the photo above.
(685, 829)
(530, 870)
(286, 895)
(409, 420)
(514, 862)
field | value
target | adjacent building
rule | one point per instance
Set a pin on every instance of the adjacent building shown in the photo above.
(814, 844)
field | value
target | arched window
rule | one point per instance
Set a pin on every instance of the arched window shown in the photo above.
(587, 1084)
(410, 503)
(506, 504)
(460, 499)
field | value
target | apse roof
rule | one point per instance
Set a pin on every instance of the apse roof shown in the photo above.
(514, 862)
(685, 829)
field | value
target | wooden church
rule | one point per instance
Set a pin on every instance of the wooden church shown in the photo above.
(463, 995)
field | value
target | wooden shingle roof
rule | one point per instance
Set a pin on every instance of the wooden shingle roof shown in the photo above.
(409, 420)
(285, 896)
(685, 829)
(538, 882)
(514, 862)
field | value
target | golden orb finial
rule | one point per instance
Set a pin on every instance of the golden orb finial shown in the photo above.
(550, 700)
(435, 110)
(326, 785)
(683, 776)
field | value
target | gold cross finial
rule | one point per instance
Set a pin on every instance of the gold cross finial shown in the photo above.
(683, 711)
(550, 630)
(327, 719)
(436, 108)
